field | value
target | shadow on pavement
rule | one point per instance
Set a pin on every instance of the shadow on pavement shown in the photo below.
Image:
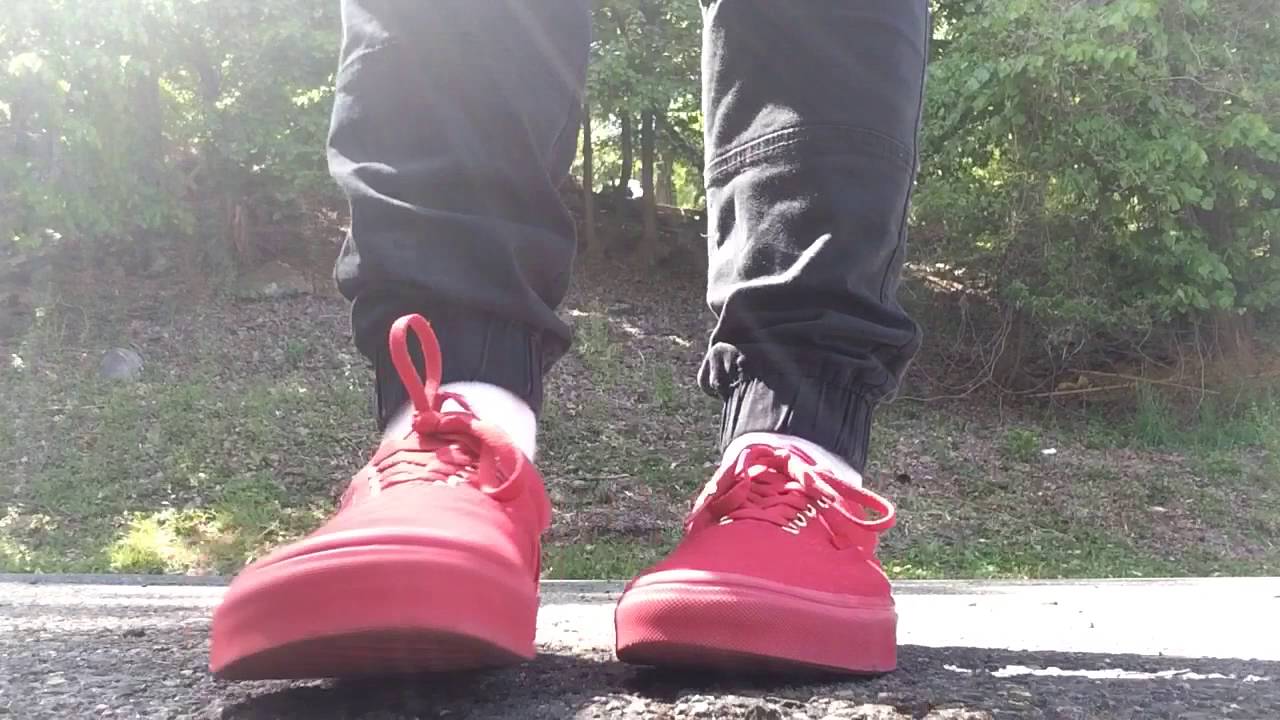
(984, 683)
(79, 652)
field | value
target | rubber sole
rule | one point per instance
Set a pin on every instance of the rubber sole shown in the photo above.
(374, 610)
(740, 627)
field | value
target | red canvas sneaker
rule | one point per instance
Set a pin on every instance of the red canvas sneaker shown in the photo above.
(431, 562)
(777, 571)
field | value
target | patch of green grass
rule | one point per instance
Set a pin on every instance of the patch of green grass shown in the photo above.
(1100, 434)
(1031, 553)
(154, 544)
(1160, 492)
(191, 477)
(295, 352)
(663, 387)
(1215, 424)
(1154, 423)
(1021, 445)
(1221, 465)
(594, 346)
(604, 558)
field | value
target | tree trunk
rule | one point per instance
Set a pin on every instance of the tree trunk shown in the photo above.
(667, 180)
(649, 241)
(628, 156)
(1232, 332)
(1233, 338)
(145, 97)
(1007, 369)
(589, 239)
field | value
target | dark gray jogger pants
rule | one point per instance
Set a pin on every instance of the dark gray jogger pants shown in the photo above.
(456, 121)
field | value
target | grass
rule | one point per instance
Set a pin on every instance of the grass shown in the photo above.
(222, 452)
(593, 345)
(193, 476)
(603, 558)
(1250, 418)
(1021, 445)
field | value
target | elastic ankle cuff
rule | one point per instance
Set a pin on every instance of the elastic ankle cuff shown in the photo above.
(835, 417)
(476, 348)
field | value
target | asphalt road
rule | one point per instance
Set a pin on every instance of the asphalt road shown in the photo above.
(1193, 649)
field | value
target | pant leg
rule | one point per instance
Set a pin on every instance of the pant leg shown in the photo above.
(454, 123)
(812, 108)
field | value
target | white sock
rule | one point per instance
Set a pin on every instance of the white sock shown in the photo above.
(822, 457)
(490, 403)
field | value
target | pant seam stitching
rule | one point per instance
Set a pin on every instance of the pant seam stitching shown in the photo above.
(915, 168)
(790, 139)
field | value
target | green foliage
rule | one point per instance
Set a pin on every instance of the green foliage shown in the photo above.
(1154, 422)
(124, 119)
(593, 344)
(1215, 425)
(153, 544)
(645, 57)
(1107, 166)
(1021, 445)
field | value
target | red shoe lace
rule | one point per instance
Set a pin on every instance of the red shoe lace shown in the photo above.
(783, 486)
(450, 447)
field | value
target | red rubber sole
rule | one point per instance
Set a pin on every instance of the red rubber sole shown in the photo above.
(723, 624)
(374, 610)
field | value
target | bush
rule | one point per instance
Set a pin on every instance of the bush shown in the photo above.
(1106, 167)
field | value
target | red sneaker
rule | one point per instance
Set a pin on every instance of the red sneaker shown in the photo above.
(431, 562)
(777, 571)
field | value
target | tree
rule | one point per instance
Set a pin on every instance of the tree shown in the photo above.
(626, 138)
(648, 155)
(1108, 167)
(646, 66)
(130, 118)
(589, 238)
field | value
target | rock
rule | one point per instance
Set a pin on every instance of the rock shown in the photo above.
(958, 714)
(699, 708)
(847, 711)
(763, 712)
(272, 280)
(120, 364)
(158, 263)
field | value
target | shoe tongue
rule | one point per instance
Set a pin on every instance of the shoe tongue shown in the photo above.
(451, 405)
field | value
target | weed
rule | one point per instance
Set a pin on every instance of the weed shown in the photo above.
(1221, 465)
(1154, 424)
(1021, 445)
(1159, 493)
(1101, 434)
(295, 351)
(153, 544)
(594, 346)
(663, 387)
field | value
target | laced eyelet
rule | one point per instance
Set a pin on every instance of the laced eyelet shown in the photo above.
(810, 510)
(725, 520)
(824, 502)
(789, 529)
(800, 521)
